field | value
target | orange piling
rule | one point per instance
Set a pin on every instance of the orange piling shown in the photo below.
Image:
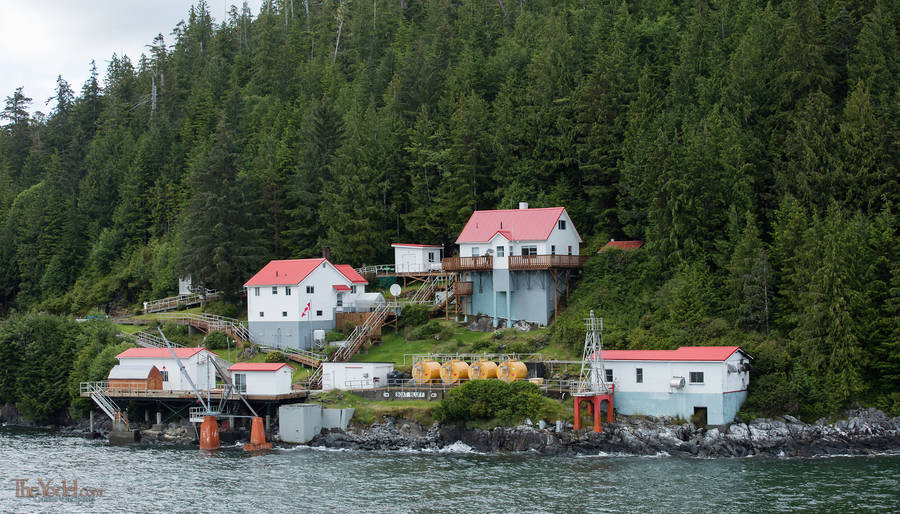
(209, 433)
(257, 437)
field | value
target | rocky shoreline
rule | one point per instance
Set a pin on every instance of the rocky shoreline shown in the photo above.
(866, 431)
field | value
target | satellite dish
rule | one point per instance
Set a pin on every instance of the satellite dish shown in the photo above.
(395, 290)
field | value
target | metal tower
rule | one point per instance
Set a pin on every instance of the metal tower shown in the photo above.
(592, 380)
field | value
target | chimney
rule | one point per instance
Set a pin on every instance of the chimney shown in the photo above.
(326, 252)
(523, 205)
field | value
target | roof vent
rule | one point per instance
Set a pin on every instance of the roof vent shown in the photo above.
(523, 205)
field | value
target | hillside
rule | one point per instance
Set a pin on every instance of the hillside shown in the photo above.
(751, 145)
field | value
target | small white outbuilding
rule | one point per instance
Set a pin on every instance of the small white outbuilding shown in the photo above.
(415, 258)
(355, 375)
(262, 378)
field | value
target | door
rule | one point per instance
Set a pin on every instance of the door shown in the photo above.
(699, 417)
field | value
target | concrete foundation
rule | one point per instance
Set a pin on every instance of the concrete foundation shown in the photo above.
(299, 422)
(120, 437)
(337, 418)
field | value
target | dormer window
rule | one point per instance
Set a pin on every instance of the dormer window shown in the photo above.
(562, 224)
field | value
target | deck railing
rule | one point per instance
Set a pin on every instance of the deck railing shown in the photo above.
(463, 288)
(482, 263)
(542, 262)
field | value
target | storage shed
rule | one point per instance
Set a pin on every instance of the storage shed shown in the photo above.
(415, 258)
(137, 377)
(355, 375)
(262, 378)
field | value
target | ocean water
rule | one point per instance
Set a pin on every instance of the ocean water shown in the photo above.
(147, 478)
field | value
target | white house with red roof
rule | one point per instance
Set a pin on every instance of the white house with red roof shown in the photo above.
(288, 300)
(710, 381)
(196, 362)
(516, 263)
(417, 258)
(261, 378)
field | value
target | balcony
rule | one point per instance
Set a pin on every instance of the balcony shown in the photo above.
(463, 288)
(484, 263)
(545, 262)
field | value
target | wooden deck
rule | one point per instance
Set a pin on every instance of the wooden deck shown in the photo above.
(484, 263)
(214, 394)
(545, 262)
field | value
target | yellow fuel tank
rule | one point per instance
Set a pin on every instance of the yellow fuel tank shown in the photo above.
(426, 371)
(454, 372)
(511, 370)
(482, 370)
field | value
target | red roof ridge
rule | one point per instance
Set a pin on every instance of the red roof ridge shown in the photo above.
(350, 273)
(258, 366)
(160, 353)
(684, 353)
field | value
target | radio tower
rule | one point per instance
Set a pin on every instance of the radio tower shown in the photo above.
(592, 387)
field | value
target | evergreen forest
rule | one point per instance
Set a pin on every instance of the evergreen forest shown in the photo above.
(753, 145)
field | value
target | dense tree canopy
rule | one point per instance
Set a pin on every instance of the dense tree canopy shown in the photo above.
(753, 146)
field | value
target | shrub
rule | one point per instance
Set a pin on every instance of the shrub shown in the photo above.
(484, 345)
(414, 315)
(348, 328)
(425, 331)
(486, 399)
(229, 310)
(333, 335)
(331, 349)
(520, 347)
(276, 356)
(216, 341)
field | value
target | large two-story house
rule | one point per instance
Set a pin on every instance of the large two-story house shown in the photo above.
(289, 300)
(515, 264)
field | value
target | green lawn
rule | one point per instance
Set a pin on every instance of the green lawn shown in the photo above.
(455, 338)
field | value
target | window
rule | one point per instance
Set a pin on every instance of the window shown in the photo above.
(696, 377)
(639, 375)
(352, 289)
(274, 289)
(562, 224)
(255, 291)
(283, 314)
(310, 289)
(529, 250)
(318, 313)
(430, 256)
(240, 382)
(609, 375)
(165, 375)
(475, 251)
(340, 300)
(262, 314)
(570, 249)
(287, 291)
(552, 249)
(499, 251)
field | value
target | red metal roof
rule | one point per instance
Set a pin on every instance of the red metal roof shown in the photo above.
(158, 353)
(286, 272)
(351, 274)
(622, 245)
(515, 224)
(341, 287)
(258, 366)
(411, 245)
(685, 353)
